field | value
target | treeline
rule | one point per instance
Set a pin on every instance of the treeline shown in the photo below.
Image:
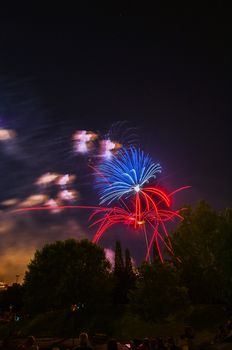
(75, 275)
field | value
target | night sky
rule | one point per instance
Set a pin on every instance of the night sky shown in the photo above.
(168, 78)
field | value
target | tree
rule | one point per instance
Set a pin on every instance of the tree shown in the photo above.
(118, 261)
(130, 277)
(203, 241)
(225, 253)
(124, 277)
(119, 293)
(158, 291)
(65, 273)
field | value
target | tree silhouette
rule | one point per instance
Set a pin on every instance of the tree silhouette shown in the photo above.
(203, 241)
(158, 291)
(130, 277)
(119, 276)
(66, 273)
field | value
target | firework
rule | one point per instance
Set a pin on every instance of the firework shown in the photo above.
(52, 205)
(10, 202)
(125, 174)
(7, 134)
(108, 148)
(83, 141)
(67, 195)
(65, 180)
(122, 134)
(151, 224)
(47, 179)
(149, 221)
(126, 178)
(34, 199)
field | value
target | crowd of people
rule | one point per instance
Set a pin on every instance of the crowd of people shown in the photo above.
(185, 342)
(224, 333)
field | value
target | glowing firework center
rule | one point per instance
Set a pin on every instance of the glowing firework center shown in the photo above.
(136, 188)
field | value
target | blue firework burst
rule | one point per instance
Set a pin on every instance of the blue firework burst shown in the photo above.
(124, 174)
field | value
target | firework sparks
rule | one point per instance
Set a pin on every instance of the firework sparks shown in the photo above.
(35, 199)
(126, 178)
(51, 205)
(65, 180)
(47, 179)
(150, 221)
(83, 141)
(7, 134)
(125, 174)
(10, 202)
(108, 148)
(122, 134)
(67, 195)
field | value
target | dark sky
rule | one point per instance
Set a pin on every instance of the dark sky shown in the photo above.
(168, 76)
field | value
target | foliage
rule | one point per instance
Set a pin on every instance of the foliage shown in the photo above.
(118, 263)
(206, 316)
(118, 276)
(158, 292)
(124, 277)
(130, 277)
(203, 241)
(65, 273)
(76, 272)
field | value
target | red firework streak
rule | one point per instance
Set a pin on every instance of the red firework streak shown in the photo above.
(150, 212)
